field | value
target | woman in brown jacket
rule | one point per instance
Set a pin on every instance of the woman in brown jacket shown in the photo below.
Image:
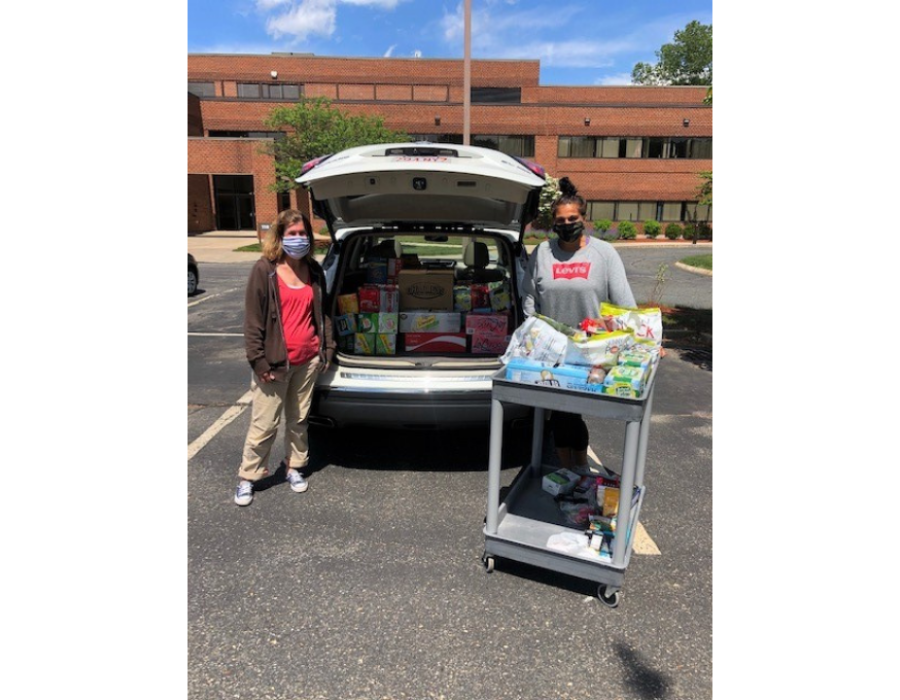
(289, 340)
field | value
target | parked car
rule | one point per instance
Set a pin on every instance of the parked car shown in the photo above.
(193, 275)
(451, 219)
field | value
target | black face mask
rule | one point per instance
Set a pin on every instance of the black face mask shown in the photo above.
(568, 232)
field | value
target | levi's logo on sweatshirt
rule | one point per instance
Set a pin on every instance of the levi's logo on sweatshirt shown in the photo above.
(570, 271)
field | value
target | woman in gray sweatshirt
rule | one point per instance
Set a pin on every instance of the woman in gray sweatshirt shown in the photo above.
(567, 279)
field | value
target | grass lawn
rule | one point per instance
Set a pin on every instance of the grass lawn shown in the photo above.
(702, 261)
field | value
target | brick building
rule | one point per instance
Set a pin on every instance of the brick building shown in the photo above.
(634, 152)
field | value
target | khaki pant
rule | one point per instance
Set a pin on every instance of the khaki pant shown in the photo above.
(293, 397)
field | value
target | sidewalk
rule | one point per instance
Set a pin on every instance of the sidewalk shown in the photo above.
(219, 246)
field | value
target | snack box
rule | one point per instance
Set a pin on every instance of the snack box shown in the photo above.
(348, 304)
(434, 342)
(489, 343)
(560, 482)
(427, 322)
(636, 358)
(386, 344)
(563, 377)
(387, 323)
(364, 344)
(345, 324)
(367, 323)
(627, 377)
(430, 290)
(487, 323)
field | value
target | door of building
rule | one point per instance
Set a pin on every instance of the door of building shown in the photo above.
(234, 202)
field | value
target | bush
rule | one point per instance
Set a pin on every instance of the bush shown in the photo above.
(602, 225)
(705, 232)
(652, 228)
(628, 231)
(610, 235)
(689, 231)
(674, 231)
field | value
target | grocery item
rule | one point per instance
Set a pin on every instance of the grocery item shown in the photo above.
(600, 350)
(367, 323)
(560, 482)
(462, 298)
(538, 341)
(365, 344)
(644, 323)
(369, 298)
(345, 324)
(430, 290)
(386, 344)
(487, 323)
(434, 342)
(486, 343)
(429, 322)
(348, 304)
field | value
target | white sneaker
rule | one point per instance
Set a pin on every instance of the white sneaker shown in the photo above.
(244, 494)
(296, 480)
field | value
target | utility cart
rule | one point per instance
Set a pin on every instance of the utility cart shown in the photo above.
(522, 525)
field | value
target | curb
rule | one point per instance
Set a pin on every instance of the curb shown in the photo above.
(695, 270)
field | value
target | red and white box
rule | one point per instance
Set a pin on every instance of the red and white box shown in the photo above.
(369, 298)
(489, 343)
(495, 324)
(434, 342)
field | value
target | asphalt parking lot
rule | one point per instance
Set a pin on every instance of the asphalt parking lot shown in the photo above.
(370, 585)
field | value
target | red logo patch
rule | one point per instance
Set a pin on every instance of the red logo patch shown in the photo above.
(570, 271)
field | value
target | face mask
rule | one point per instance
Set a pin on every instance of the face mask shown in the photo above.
(568, 232)
(296, 246)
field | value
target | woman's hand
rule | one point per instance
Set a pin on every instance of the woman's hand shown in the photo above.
(267, 377)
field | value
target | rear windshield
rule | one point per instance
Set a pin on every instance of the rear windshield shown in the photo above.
(425, 295)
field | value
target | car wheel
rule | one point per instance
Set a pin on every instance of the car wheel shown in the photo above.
(192, 281)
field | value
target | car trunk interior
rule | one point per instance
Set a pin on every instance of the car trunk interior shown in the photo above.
(411, 300)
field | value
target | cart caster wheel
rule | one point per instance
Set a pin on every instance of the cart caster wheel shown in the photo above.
(609, 599)
(488, 562)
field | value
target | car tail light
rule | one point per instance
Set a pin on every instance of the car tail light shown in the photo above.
(533, 167)
(310, 164)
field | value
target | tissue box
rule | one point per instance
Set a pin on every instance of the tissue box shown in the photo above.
(426, 322)
(560, 482)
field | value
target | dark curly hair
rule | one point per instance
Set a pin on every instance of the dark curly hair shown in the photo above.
(568, 194)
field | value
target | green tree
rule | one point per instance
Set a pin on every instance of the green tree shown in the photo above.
(314, 128)
(686, 61)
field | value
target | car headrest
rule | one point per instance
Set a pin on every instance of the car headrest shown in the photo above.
(476, 255)
(388, 248)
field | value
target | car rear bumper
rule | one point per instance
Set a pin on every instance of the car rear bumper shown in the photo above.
(436, 409)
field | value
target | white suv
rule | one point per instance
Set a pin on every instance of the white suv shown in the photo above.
(423, 279)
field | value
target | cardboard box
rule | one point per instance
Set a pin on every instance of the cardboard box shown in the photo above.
(564, 376)
(345, 325)
(369, 298)
(560, 482)
(365, 344)
(388, 298)
(434, 342)
(377, 272)
(497, 324)
(348, 304)
(387, 323)
(366, 323)
(386, 344)
(429, 290)
(489, 343)
(426, 322)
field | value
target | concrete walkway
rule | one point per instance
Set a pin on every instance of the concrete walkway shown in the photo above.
(219, 246)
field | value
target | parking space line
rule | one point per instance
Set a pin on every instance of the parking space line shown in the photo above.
(220, 423)
(642, 542)
(217, 335)
(211, 296)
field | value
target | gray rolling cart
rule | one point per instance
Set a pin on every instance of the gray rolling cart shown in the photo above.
(521, 526)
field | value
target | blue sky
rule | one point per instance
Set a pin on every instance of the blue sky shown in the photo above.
(578, 42)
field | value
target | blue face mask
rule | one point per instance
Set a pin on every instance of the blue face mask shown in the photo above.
(296, 246)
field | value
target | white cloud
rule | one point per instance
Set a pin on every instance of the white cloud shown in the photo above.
(387, 54)
(490, 24)
(307, 17)
(616, 79)
(302, 18)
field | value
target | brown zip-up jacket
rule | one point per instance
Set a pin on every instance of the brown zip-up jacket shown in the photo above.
(263, 332)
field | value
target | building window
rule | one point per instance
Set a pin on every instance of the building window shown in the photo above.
(437, 138)
(678, 148)
(697, 212)
(646, 211)
(608, 148)
(627, 211)
(577, 147)
(601, 210)
(633, 148)
(269, 91)
(491, 95)
(671, 211)
(701, 148)
(202, 89)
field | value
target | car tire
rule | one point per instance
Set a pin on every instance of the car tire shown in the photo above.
(192, 281)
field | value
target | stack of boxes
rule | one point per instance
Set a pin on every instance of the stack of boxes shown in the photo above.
(430, 313)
